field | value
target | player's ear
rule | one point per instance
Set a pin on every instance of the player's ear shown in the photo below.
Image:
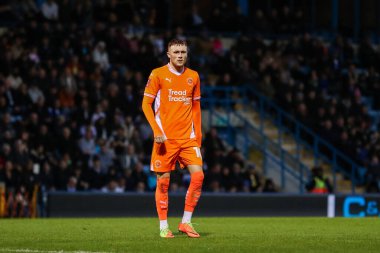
(167, 53)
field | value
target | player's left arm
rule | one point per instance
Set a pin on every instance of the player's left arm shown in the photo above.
(197, 117)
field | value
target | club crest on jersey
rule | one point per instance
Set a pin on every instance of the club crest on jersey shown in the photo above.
(157, 163)
(190, 81)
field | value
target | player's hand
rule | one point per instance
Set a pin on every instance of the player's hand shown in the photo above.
(159, 139)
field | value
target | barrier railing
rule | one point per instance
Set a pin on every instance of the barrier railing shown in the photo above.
(242, 134)
(233, 99)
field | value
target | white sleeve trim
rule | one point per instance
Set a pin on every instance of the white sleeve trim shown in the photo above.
(197, 98)
(149, 95)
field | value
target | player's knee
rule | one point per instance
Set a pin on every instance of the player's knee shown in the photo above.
(163, 185)
(201, 176)
(198, 177)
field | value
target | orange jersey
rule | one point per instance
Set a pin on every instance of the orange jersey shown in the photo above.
(174, 94)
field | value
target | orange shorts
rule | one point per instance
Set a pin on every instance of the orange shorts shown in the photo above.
(165, 155)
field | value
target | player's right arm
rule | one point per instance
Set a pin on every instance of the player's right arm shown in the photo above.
(150, 93)
(149, 114)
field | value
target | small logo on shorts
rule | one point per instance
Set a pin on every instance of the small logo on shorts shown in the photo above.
(157, 163)
(189, 81)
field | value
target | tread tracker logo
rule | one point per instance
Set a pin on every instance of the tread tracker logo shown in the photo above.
(178, 96)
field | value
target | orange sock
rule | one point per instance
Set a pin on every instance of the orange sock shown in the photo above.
(162, 199)
(194, 192)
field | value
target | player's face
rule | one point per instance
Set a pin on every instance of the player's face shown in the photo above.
(177, 55)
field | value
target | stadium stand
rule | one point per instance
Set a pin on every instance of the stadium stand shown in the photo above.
(72, 74)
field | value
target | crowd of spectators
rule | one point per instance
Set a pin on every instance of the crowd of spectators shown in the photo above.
(71, 80)
(72, 75)
(329, 86)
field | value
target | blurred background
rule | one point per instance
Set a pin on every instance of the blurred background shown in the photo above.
(290, 96)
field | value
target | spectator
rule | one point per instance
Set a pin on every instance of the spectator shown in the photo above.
(100, 56)
(130, 159)
(50, 10)
(252, 180)
(96, 177)
(112, 187)
(213, 178)
(318, 183)
(82, 114)
(72, 184)
(20, 153)
(235, 179)
(260, 22)
(47, 180)
(106, 156)
(373, 175)
(87, 144)
(67, 144)
(266, 87)
(214, 147)
(234, 156)
(194, 21)
(35, 94)
(139, 177)
(269, 186)
(62, 174)
(68, 89)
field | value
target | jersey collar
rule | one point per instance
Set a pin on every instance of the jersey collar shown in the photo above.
(174, 71)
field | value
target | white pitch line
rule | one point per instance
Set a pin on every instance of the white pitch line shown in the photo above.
(46, 251)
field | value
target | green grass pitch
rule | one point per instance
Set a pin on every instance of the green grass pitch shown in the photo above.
(219, 235)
